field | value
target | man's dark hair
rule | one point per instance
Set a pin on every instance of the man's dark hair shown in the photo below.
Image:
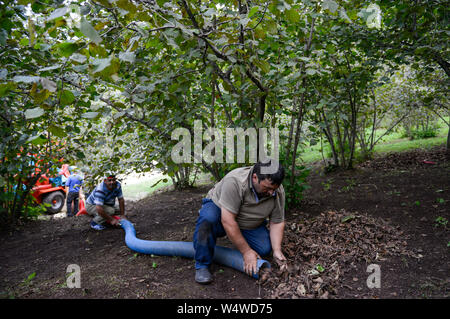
(275, 178)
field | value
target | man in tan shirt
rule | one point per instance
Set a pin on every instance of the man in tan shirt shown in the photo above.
(238, 206)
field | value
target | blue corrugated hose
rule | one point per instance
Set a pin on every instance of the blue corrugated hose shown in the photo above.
(222, 255)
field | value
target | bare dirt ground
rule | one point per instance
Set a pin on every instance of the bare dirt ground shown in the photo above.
(409, 198)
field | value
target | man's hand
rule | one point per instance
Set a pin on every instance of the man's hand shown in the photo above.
(276, 237)
(250, 262)
(115, 222)
(278, 255)
(234, 234)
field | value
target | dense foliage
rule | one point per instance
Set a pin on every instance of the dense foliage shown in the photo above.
(104, 83)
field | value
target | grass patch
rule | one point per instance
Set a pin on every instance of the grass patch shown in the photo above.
(136, 187)
(406, 144)
(393, 142)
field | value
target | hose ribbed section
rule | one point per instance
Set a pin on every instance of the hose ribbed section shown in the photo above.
(222, 255)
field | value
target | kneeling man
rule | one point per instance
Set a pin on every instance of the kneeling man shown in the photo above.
(238, 206)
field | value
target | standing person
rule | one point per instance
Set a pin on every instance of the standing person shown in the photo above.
(74, 192)
(101, 203)
(238, 207)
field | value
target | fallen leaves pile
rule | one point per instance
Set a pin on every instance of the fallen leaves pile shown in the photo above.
(408, 159)
(321, 250)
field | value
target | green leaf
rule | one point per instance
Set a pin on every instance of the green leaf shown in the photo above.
(89, 31)
(5, 88)
(331, 5)
(26, 79)
(272, 27)
(253, 11)
(90, 115)
(127, 56)
(67, 97)
(50, 68)
(244, 22)
(77, 57)
(343, 15)
(34, 113)
(80, 154)
(292, 15)
(347, 218)
(320, 268)
(263, 65)
(126, 5)
(40, 96)
(48, 84)
(37, 140)
(3, 74)
(67, 48)
(30, 277)
(101, 64)
(24, 42)
(3, 36)
(57, 131)
(58, 13)
(260, 33)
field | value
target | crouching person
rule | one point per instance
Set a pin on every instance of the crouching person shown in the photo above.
(101, 203)
(238, 207)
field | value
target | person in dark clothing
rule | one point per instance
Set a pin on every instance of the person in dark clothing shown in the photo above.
(74, 192)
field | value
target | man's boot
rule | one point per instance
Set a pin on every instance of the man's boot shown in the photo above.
(203, 276)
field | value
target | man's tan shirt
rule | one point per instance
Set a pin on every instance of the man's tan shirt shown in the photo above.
(235, 193)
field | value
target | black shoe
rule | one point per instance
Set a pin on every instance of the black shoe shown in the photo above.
(203, 276)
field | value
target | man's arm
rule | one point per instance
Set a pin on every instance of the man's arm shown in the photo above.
(234, 234)
(276, 238)
(67, 187)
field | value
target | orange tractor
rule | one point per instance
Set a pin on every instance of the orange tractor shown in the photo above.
(51, 191)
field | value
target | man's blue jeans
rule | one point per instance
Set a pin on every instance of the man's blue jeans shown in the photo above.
(209, 227)
(72, 197)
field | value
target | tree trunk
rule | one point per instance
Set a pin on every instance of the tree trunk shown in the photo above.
(297, 133)
(442, 63)
(448, 141)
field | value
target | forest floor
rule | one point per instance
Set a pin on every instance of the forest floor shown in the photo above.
(403, 198)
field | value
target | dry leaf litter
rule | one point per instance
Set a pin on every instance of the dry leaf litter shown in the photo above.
(321, 250)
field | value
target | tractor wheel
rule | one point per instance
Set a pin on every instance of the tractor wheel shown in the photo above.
(56, 200)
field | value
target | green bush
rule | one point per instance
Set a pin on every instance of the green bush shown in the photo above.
(294, 192)
(10, 216)
(421, 134)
